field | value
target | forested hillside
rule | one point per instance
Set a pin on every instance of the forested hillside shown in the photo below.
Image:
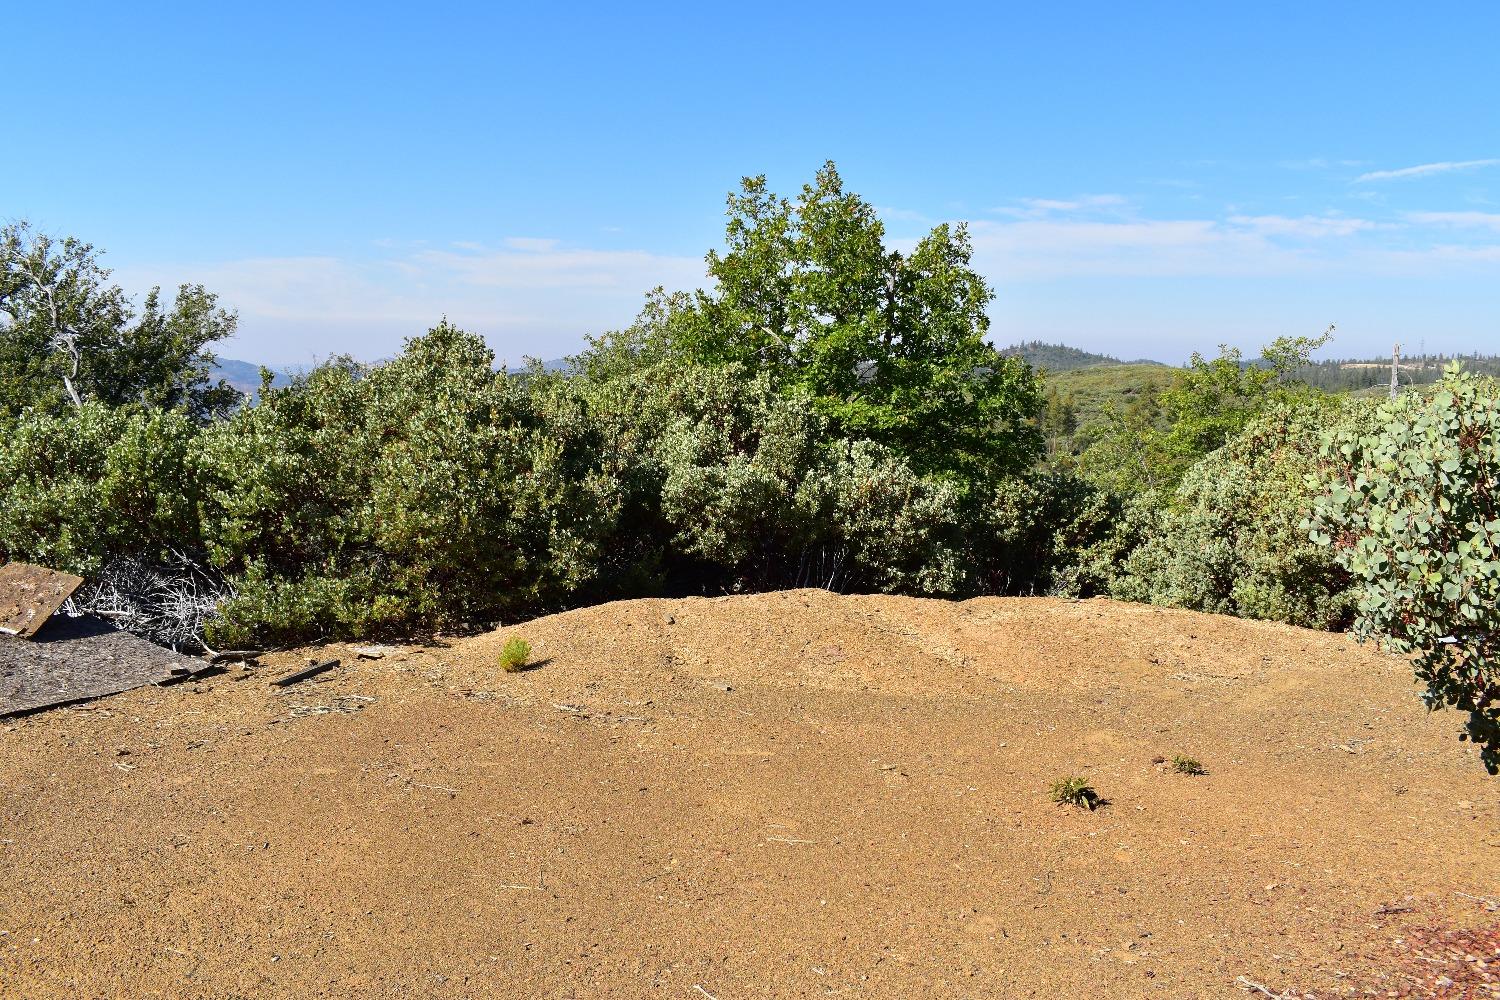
(1060, 357)
(1354, 374)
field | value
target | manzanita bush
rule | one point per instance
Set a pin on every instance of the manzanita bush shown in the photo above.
(1412, 510)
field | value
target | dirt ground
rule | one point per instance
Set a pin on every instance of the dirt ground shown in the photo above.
(780, 795)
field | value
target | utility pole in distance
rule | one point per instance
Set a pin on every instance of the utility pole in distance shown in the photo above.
(1395, 365)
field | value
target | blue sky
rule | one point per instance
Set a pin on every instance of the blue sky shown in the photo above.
(1142, 179)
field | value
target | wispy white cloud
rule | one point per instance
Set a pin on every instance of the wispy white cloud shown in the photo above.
(1236, 246)
(1440, 259)
(1308, 226)
(523, 243)
(539, 264)
(892, 214)
(1460, 220)
(528, 296)
(1425, 169)
(1037, 208)
(1318, 163)
(1044, 249)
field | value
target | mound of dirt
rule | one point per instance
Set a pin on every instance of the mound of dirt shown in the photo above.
(790, 794)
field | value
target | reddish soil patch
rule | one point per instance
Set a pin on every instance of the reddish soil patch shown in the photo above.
(791, 794)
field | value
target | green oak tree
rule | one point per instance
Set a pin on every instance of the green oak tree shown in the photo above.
(889, 345)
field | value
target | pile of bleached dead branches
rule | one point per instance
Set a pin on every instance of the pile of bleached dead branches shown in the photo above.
(167, 603)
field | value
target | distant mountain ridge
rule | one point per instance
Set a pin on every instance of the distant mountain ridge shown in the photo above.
(1062, 358)
(245, 375)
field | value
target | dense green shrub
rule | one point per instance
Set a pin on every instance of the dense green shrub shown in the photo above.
(88, 485)
(1046, 532)
(432, 492)
(428, 491)
(746, 486)
(732, 462)
(1230, 539)
(888, 528)
(1413, 513)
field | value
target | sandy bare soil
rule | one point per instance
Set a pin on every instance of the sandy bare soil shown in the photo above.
(780, 795)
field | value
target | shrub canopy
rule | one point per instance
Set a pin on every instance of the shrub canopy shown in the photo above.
(1230, 539)
(1412, 511)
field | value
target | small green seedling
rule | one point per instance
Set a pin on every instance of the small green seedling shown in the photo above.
(1183, 764)
(1075, 791)
(515, 655)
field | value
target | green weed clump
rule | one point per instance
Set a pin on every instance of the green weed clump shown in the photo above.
(1074, 791)
(1183, 764)
(515, 655)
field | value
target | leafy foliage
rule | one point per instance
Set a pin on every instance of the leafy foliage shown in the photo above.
(890, 347)
(1127, 449)
(515, 655)
(1059, 422)
(1074, 791)
(1214, 400)
(429, 491)
(1148, 444)
(1230, 539)
(732, 484)
(67, 336)
(81, 488)
(1183, 764)
(1046, 532)
(1413, 513)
